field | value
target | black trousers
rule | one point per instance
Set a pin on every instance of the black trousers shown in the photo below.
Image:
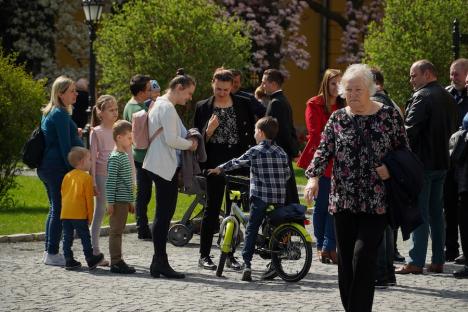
(143, 196)
(451, 214)
(463, 221)
(210, 222)
(166, 202)
(358, 236)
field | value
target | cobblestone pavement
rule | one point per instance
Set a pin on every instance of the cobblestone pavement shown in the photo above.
(26, 284)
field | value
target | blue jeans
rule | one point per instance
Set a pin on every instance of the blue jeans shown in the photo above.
(143, 196)
(52, 179)
(430, 201)
(81, 227)
(324, 230)
(257, 214)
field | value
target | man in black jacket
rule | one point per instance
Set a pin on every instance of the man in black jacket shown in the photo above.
(431, 118)
(79, 115)
(255, 106)
(279, 108)
(458, 72)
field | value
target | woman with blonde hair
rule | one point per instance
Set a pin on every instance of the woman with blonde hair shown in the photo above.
(61, 134)
(318, 110)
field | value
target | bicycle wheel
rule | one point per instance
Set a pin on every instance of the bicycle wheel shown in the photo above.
(225, 246)
(291, 253)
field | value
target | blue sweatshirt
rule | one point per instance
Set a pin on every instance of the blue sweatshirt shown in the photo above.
(61, 134)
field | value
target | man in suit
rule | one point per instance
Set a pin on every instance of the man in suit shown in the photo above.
(279, 108)
(255, 106)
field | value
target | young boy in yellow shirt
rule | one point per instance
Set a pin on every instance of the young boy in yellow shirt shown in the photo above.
(78, 208)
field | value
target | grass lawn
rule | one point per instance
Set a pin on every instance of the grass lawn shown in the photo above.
(31, 210)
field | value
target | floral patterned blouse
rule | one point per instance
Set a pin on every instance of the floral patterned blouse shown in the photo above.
(356, 186)
(226, 133)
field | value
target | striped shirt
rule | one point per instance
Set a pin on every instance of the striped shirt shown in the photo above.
(269, 171)
(119, 184)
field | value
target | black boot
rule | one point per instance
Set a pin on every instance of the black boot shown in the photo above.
(160, 265)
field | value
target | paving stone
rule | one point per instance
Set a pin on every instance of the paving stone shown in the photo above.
(29, 285)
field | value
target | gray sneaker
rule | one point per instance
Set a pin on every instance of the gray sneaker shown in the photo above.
(247, 274)
(57, 259)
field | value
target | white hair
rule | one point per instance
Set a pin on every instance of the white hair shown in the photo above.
(361, 71)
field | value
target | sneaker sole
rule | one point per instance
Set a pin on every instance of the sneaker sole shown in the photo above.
(73, 267)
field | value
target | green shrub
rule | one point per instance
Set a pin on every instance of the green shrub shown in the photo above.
(156, 37)
(413, 30)
(20, 100)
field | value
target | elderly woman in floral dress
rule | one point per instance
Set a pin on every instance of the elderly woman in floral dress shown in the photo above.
(358, 137)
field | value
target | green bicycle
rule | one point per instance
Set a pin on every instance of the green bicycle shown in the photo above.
(288, 244)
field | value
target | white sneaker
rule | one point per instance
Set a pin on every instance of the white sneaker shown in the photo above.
(57, 259)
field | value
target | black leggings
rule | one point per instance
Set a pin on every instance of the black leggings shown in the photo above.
(166, 202)
(210, 221)
(358, 236)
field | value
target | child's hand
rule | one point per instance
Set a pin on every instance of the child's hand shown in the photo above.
(96, 191)
(110, 209)
(214, 171)
(131, 208)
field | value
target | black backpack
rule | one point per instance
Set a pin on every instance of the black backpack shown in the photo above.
(33, 149)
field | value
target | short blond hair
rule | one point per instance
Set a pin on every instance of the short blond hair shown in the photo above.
(77, 154)
(120, 127)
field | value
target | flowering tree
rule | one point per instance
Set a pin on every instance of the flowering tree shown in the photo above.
(354, 24)
(359, 17)
(274, 30)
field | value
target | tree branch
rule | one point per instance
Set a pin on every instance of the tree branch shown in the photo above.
(334, 16)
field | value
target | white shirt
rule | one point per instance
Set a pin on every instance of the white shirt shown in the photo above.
(161, 156)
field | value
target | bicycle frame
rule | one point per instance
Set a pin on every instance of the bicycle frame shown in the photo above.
(236, 218)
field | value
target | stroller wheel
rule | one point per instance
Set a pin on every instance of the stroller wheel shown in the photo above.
(179, 235)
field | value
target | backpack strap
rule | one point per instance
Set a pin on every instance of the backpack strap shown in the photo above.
(155, 134)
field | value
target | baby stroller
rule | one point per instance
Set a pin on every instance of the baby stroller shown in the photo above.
(182, 232)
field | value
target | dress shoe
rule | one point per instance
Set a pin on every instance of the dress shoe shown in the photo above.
(460, 260)
(325, 257)
(435, 268)
(398, 257)
(409, 269)
(463, 273)
(231, 262)
(206, 263)
(450, 256)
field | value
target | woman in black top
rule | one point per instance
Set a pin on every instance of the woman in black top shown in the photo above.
(227, 124)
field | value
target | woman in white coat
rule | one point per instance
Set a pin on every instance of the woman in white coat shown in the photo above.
(163, 160)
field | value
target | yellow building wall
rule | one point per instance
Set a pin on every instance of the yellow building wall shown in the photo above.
(304, 83)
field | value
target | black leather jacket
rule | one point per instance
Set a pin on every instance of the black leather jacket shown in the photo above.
(462, 103)
(431, 118)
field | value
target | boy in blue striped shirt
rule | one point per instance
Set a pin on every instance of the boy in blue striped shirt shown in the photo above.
(119, 193)
(269, 173)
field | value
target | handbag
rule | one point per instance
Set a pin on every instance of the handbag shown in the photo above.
(33, 150)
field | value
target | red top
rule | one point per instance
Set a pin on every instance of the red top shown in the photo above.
(316, 118)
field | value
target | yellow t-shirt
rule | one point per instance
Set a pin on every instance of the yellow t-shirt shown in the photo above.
(77, 196)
